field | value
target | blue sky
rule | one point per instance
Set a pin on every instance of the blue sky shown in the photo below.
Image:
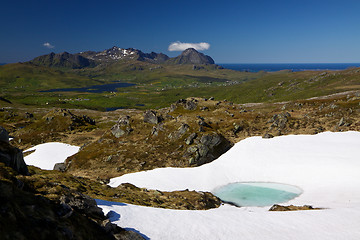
(252, 31)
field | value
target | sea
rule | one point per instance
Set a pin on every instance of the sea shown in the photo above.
(295, 67)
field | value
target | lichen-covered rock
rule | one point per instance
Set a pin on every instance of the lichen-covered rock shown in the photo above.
(122, 127)
(60, 167)
(150, 116)
(189, 140)
(209, 148)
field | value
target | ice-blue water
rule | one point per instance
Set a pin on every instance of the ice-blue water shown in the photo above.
(296, 67)
(257, 194)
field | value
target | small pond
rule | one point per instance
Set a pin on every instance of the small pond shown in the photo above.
(259, 194)
(111, 87)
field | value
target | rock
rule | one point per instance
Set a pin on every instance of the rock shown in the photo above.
(267, 135)
(60, 167)
(83, 204)
(190, 139)
(150, 116)
(277, 207)
(341, 122)
(237, 128)
(184, 127)
(122, 127)
(190, 105)
(154, 131)
(279, 120)
(4, 135)
(209, 148)
(203, 123)
(11, 156)
(117, 131)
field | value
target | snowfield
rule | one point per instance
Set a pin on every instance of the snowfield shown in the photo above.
(46, 155)
(325, 166)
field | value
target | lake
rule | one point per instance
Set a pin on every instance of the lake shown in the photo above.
(110, 87)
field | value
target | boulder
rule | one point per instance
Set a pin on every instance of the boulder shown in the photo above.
(189, 140)
(209, 148)
(190, 105)
(122, 127)
(150, 116)
(84, 204)
(60, 167)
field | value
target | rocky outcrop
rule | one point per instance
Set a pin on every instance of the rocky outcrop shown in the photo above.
(278, 124)
(11, 156)
(277, 207)
(151, 116)
(186, 104)
(208, 149)
(26, 214)
(122, 127)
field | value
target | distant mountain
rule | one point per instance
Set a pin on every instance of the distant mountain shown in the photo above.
(63, 60)
(191, 56)
(115, 54)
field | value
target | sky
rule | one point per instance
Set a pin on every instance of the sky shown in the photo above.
(238, 31)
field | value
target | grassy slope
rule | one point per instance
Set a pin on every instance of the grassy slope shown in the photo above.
(160, 85)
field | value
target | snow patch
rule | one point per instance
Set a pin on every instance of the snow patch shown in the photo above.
(325, 166)
(46, 155)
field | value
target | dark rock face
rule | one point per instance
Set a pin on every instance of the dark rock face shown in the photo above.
(24, 215)
(63, 60)
(82, 203)
(11, 156)
(191, 56)
(210, 147)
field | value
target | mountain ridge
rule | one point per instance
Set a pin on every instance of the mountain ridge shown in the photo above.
(116, 54)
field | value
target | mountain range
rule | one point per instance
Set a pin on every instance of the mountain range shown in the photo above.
(116, 54)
